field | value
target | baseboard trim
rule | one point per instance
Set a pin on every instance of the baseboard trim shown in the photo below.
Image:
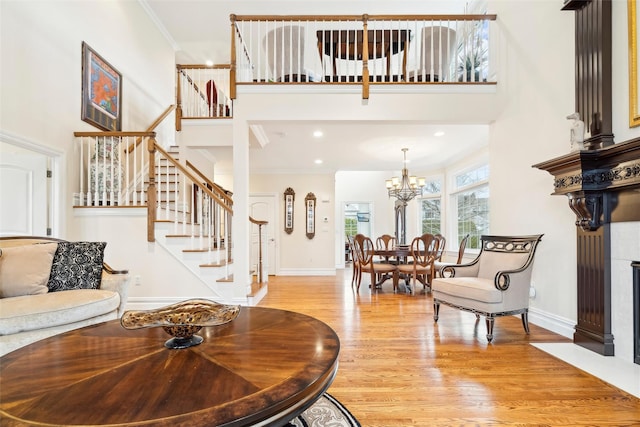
(307, 272)
(559, 325)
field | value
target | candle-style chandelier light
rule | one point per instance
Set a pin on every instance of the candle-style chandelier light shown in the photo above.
(406, 187)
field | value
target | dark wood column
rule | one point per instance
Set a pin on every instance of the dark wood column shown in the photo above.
(602, 186)
(593, 69)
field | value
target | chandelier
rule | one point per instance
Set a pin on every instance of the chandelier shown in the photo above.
(407, 187)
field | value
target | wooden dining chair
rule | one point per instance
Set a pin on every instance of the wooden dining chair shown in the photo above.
(355, 262)
(365, 252)
(438, 264)
(386, 242)
(424, 250)
(442, 242)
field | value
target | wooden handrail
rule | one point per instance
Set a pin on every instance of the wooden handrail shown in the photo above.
(288, 18)
(118, 134)
(153, 126)
(219, 189)
(192, 178)
(257, 221)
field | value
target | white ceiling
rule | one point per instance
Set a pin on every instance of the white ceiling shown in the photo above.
(200, 30)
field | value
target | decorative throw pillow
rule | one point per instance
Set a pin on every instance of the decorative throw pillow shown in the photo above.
(24, 270)
(77, 265)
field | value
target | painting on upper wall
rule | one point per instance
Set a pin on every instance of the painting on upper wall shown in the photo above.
(634, 58)
(101, 91)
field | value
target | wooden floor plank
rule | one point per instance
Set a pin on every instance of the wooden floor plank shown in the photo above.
(399, 368)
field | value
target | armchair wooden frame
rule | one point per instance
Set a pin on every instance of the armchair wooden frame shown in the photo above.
(495, 284)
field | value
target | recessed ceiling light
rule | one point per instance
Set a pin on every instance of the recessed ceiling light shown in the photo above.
(317, 133)
(439, 133)
(318, 161)
(208, 63)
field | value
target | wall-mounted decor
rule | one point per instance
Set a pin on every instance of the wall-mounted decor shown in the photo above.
(101, 91)
(289, 197)
(310, 207)
(634, 58)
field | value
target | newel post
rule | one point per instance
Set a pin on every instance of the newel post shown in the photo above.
(365, 58)
(232, 71)
(151, 190)
(178, 100)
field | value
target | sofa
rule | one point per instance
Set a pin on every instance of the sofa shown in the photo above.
(49, 286)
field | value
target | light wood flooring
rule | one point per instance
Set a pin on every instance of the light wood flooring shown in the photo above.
(398, 368)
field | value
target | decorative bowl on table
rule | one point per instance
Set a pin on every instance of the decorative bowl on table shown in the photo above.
(182, 320)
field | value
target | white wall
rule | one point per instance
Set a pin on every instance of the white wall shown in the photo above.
(297, 254)
(537, 73)
(40, 73)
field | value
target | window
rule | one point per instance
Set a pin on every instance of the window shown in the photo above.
(470, 202)
(431, 207)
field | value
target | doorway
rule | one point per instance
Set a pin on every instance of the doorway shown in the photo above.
(264, 208)
(357, 219)
(26, 191)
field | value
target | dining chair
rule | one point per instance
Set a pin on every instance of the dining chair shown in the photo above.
(423, 253)
(495, 284)
(436, 51)
(365, 251)
(442, 242)
(386, 242)
(356, 275)
(284, 49)
(438, 264)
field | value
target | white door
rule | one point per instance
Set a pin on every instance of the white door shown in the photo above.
(263, 208)
(23, 192)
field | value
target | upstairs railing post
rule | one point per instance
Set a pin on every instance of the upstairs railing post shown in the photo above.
(151, 191)
(365, 58)
(178, 100)
(232, 72)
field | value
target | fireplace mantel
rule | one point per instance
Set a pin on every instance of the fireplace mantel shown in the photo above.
(591, 178)
(602, 187)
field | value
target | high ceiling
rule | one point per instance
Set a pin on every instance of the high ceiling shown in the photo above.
(200, 30)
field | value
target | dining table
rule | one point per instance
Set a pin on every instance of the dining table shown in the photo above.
(401, 254)
(349, 45)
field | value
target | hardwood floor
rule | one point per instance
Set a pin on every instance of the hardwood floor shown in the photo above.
(399, 368)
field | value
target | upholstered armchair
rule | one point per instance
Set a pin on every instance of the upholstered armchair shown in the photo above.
(495, 284)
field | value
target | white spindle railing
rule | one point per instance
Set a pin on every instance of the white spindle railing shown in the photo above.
(203, 91)
(404, 49)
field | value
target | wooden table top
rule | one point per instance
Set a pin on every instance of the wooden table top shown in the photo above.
(263, 368)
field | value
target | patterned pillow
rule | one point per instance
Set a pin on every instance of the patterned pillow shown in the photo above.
(77, 265)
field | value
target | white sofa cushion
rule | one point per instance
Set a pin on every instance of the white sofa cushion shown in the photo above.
(473, 288)
(32, 312)
(24, 270)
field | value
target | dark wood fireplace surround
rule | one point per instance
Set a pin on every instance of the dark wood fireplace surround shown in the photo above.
(601, 182)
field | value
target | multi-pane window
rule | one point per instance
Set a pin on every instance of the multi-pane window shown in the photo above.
(470, 200)
(431, 207)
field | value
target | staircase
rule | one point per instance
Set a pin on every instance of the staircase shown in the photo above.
(179, 230)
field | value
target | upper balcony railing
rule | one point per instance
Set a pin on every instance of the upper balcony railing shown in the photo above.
(363, 49)
(202, 92)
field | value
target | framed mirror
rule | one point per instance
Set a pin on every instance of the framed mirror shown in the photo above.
(310, 208)
(289, 197)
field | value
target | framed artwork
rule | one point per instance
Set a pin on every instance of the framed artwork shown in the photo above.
(289, 197)
(310, 208)
(634, 104)
(101, 91)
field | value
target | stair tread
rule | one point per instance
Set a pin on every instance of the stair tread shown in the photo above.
(216, 264)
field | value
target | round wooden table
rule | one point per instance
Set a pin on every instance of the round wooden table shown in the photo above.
(263, 368)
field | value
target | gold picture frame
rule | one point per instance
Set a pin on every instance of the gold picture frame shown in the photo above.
(289, 198)
(634, 57)
(310, 208)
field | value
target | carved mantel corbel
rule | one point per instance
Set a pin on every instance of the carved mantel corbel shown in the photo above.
(588, 209)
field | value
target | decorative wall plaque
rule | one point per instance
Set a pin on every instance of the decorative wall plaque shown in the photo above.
(289, 197)
(310, 209)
